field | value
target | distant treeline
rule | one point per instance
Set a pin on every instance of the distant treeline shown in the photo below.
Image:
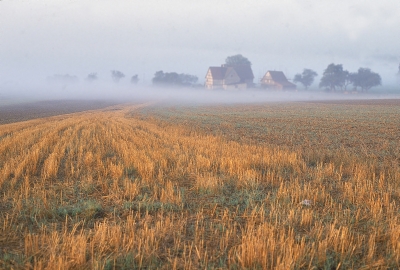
(334, 77)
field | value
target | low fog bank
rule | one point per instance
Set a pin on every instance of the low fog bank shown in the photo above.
(12, 94)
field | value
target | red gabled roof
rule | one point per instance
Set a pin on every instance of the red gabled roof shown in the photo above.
(280, 78)
(218, 73)
(243, 71)
(287, 84)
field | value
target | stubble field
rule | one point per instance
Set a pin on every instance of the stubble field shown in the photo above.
(204, 187)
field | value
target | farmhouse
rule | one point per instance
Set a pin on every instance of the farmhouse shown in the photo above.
(276, 80)
(229, 77)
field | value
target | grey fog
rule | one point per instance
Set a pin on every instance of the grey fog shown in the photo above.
(88, 40)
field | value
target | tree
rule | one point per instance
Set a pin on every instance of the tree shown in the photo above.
(398, 75)
(365, 79)
(135, 79)
(237, 59)
(306, 78)
(117, 75)
(63, 80)
(187, 79)
(91, 77)
(173, 79)
(347, 80)
(334, 76)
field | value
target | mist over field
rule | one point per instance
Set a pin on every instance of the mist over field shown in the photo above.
(187, 134)
(179, 96)
(42, 39)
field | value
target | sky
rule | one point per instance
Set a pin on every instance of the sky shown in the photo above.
(45, 37)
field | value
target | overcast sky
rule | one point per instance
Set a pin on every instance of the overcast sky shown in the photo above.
(41, 38)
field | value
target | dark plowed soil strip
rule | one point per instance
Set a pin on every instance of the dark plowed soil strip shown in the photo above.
(28, 111)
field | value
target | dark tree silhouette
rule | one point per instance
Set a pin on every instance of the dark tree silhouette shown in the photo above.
(365, 79)
(135, 79)
(173, 79)
(91, 77)
(237, 59)
(63, 80)
(398, 75)
(347, 80)
(306, 78)
(117, 75)
(334, 77)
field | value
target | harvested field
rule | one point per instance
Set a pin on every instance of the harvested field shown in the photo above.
(384, 102)
(370, 127)
(262, 186)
